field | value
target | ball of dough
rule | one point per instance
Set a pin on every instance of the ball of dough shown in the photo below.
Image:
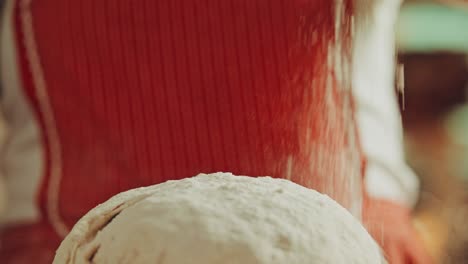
(219, 218)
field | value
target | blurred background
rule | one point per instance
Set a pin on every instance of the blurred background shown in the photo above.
(432, 40)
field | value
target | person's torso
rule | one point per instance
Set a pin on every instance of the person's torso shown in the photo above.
(131, 94)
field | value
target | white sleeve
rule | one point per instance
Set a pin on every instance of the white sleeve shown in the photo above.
(21, 155)
(379, 122)
(3, 190)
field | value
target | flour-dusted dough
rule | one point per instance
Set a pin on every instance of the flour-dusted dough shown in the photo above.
(219, 218)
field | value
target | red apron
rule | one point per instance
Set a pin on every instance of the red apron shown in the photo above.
(133, 93)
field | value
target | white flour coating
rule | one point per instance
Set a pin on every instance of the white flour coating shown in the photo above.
(219, 218)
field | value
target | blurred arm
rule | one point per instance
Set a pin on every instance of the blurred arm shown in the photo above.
(21, 154)
(379, 122)
(3, 194)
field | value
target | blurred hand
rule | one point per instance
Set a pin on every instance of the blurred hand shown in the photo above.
(391, 226)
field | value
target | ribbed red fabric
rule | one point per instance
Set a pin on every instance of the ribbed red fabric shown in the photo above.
(146, 91)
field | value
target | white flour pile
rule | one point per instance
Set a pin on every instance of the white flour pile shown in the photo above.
(219, 218)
